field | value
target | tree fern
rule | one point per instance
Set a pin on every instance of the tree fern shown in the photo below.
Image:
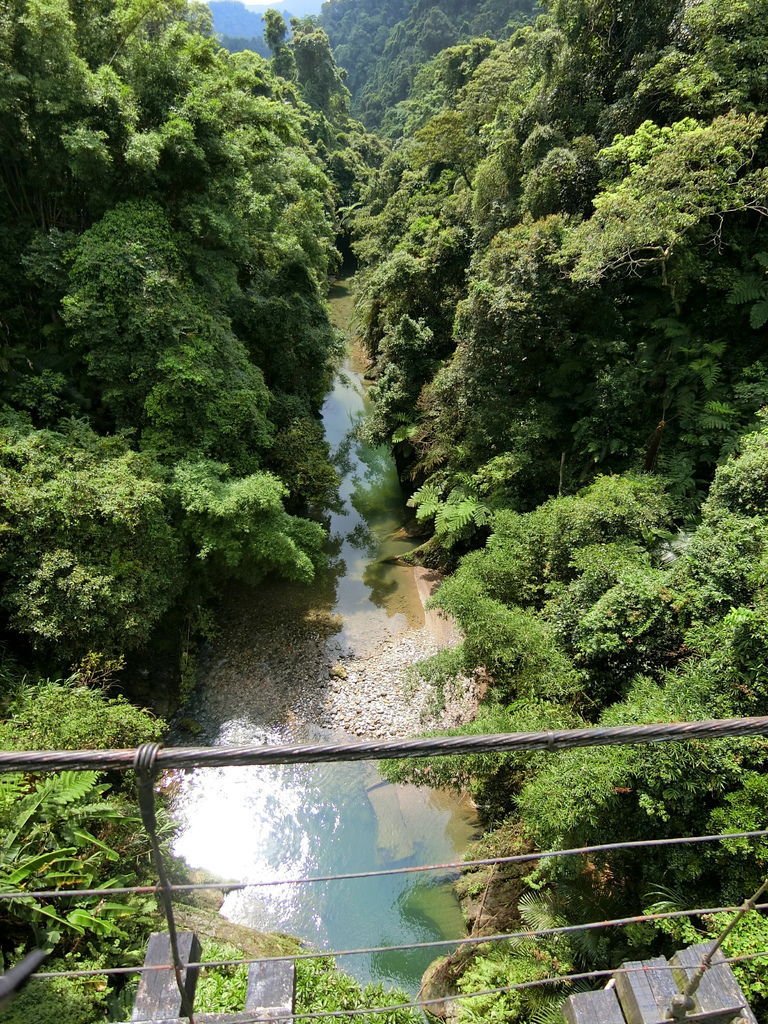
(426, 501)
(751, 288)
(550, 1012)
(758, 315)
(67, 788)
(748, 288)
(53, 837)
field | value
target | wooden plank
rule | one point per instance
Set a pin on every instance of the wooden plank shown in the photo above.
(719, 990)
(663, 984)
(158, 996)
(645, 993)
(593, 1008)
(272, 988)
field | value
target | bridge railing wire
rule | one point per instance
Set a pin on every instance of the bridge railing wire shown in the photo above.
(375, 750)
(455, 865)
(472, 940)
(559, 980)
(149, 759)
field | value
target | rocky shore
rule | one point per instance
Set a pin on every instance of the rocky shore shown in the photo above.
(282, 666)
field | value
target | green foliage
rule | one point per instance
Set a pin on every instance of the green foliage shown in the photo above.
(71, 716)
(492, 779)
(754, 290)
(699, 174)
(456, 518)
(583, 610)
(321, 81)
(604, 310)
(239, 525)
(61, 1000)
(176, 372)
(88, 553)
(221, 989)
(741, 484)
(320, 987)
(64, 831)
(510, 964)
(168, 227)
(383, 46)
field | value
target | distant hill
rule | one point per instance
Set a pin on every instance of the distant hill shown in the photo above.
(240, 23)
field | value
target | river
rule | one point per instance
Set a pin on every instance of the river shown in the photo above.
(265, 678)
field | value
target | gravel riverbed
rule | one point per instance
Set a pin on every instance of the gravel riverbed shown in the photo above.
(281, 665)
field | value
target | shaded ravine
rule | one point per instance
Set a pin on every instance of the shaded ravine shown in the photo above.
(270, 677)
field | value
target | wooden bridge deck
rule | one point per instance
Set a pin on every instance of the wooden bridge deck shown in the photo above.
(641, 994)
(270, 992)
(644, 995)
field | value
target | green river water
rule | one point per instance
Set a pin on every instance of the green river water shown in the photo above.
(274, 824)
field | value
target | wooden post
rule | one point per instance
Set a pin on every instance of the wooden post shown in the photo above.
(647, 991)
(158, 996)
(644, 992)
(719, 993)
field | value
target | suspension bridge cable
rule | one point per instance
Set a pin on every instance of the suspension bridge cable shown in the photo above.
(471, 940)
(501, 989)
(371, 750)
(519, 858)
(145, 765)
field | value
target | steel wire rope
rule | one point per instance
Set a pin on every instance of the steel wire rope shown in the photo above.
(610, 972)
(149, 758)
(315, 753)
(145, 765)
(520, 858)
(471, 940)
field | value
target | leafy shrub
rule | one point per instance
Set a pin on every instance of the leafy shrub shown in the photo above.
(69, 716)
(61, 1000)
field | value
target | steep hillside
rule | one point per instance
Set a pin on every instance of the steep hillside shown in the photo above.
(564, 297)
(382, 46)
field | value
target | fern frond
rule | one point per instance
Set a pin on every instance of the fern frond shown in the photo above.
(537, 911)
(427, 500)
(758, 315)
(748, 289)
(68, 787)
(550, 1012)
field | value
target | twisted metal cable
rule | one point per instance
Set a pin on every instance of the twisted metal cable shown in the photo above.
(472, 940)
(518, 858)
(145, 765)
(561, 979)
(373, 750)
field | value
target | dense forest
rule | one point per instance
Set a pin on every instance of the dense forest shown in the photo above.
(168, 220)
(559, 216)
(565, 297)
(381, 47)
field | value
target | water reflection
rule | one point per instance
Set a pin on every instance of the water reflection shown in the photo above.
(373, 596)
(257, 824)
